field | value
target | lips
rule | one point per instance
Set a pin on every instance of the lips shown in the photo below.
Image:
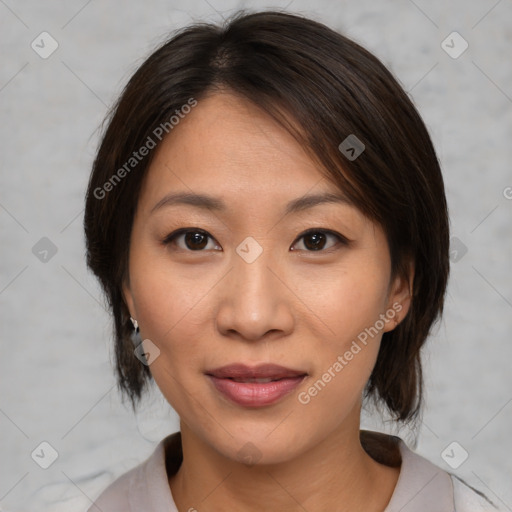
(256, 386)
(243, 373)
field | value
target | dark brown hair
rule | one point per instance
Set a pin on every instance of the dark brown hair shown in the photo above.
(323, 88)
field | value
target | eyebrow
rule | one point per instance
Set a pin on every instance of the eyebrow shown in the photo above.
(208, 202)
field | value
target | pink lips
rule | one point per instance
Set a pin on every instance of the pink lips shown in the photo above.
(257, 386)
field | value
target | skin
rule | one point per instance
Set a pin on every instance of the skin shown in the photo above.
(297, 307)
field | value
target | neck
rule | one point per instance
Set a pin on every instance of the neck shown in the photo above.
(337, 474)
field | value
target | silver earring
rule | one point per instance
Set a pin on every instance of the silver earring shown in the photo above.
(135, 335)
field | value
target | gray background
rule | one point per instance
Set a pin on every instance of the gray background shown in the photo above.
(57, 383)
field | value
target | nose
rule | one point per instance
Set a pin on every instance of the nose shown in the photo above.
(254, 300)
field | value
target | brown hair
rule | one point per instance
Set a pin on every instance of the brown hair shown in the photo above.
(322, 87)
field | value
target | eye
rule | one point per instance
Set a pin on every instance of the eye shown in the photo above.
(316, 239)
(194, 239)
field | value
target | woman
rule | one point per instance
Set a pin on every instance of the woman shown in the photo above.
(267, 217)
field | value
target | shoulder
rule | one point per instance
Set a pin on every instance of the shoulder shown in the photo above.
(422, 483)
(468, 499)
(451, 492)
(115, 498)
(146, 486)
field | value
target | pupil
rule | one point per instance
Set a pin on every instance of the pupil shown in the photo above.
(317, 239)
(195, 240)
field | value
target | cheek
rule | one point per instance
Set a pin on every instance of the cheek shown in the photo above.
(172, 315)
(168, 309)
(348, 301)
(162, 294)
(173, 306)
(345, 351)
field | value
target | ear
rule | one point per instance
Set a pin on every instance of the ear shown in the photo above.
(128, 297)
(400, 298)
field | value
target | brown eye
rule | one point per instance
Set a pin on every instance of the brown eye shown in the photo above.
(316, 240)
(194, 239)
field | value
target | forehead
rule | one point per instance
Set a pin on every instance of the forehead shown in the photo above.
(228, 144)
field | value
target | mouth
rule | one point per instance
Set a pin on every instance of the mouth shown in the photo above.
(257, 386)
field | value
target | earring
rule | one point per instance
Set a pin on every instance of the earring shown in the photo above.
(135, 335)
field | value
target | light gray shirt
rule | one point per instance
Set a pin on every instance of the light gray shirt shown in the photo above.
(421, 487)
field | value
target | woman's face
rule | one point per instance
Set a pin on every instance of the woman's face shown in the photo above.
(246, 287)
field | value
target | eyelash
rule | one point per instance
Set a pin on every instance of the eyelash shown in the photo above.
(343, 241)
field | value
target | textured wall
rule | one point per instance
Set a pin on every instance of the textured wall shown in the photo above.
(57, 384)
